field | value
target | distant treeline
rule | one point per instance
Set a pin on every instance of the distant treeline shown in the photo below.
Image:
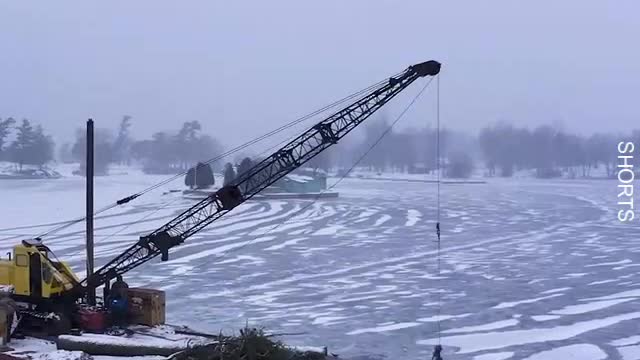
(549, 152)
(29, 144)
(501, 149)
(167, 152)
(498, 150)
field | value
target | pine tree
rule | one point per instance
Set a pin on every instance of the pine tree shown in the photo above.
(122, 143)
(103, 150)
(20, 149)
(5, 130)
(41, 148)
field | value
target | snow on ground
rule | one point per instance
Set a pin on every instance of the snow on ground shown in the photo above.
(159, 337)
(38, 349)
(528, 266)
(126, 341)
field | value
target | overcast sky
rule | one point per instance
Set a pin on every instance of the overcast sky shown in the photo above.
(255, 65)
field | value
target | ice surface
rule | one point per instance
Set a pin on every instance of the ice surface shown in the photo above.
(413, 216)
(631, 340)
(442, 317)
(571, 352)
(526, 301)
(324, 320)
(507, 247)
(584, 308)
(562, 289)
(383, 219)
(497, 340)
(544, 317)
(630, 352)
(621, 262)
(494, 356)
(384, 328)
(624, 294)
(329, 230)
(484, 327)
(602, 282)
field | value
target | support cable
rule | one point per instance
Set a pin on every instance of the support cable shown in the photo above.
(315, 199)
(219, 157)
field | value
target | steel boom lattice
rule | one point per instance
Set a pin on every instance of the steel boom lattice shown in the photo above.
(263, 174)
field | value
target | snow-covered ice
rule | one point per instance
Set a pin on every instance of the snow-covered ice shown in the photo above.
(588, 307)
(494, 356)
(571, 352)
(484, 327)
(364, 264)
(413, 216)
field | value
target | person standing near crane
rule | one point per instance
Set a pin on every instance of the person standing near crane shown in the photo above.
(119, 302)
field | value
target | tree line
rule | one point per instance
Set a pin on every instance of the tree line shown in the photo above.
(173, 152)
(501, 149)
(30, 145)
(549, 152)
(166, 152)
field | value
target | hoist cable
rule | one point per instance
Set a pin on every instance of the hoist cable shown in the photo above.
(438, 170)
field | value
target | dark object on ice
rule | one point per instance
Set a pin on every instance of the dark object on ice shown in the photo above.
(229, 174)
(460, 166)
(436, 353)
(548, 173)
(200, 176)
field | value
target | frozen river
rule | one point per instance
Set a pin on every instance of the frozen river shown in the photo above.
(529, 269)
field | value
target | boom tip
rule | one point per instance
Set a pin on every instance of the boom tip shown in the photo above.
(430, 68)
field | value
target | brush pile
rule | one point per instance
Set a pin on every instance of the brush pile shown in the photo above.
(251, 344)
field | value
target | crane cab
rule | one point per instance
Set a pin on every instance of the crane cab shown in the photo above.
(33, 275)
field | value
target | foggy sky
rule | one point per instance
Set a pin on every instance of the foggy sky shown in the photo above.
(237, 65)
